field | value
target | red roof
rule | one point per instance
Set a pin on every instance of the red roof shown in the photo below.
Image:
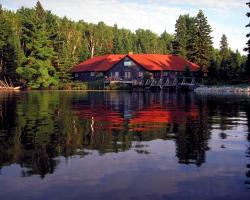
(151, 62)
(156, 62)
(99, 63)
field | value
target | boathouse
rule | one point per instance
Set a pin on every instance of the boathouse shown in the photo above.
(133, 67)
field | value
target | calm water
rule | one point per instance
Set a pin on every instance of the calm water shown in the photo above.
(123, 145)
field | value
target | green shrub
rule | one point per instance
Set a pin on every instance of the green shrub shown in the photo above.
(117, 86)
(80, 86)
(65, 86)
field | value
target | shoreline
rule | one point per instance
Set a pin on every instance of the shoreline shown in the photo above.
(216, 90)
(222, 90)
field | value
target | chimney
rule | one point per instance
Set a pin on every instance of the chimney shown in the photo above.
(130, 53)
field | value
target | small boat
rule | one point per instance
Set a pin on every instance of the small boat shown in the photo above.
(4, 85)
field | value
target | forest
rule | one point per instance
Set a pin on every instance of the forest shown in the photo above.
(38, 49)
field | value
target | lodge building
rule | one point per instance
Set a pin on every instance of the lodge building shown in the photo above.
(133, 67)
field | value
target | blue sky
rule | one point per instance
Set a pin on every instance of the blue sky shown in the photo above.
(225, 16)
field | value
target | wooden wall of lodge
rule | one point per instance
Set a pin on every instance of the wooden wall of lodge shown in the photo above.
(129, 70)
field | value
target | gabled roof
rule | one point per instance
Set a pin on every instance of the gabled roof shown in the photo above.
(155, 62)
(98, 63)
(151, 62)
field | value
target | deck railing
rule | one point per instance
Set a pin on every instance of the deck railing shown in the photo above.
(150, 83)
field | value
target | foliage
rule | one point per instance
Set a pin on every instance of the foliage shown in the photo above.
(247, 49)
(193, 41)
(79, 86)
(202, 41)
(39, 49)
(96, 85)
(180, 40)
(117, 86)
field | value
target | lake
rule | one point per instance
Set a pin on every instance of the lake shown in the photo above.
(57, 145)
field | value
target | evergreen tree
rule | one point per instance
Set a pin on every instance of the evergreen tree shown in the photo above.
(146, 41)
(43, 47)
(225, 58)
(126, 43)
(214, 66)
(37, 69)
(191, 49)
(180, 39)
(10, 52)
(247, 49)
(116, 40)
(224, 50)
(40, 12)
(165, 43)
(202, 41)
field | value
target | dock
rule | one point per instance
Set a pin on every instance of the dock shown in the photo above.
(185, 83)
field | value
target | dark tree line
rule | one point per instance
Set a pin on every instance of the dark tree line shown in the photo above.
(38, 48)
(193, 41)
(247, 49)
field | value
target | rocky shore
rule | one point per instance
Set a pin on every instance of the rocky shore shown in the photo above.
(223, 90)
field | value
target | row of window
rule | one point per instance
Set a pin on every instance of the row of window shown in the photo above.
(127, 74)
(97, 74)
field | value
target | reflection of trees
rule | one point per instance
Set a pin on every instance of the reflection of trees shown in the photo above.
(247, 108)
(223, 110)
(45, 126)
(192, 135)
(44, 129)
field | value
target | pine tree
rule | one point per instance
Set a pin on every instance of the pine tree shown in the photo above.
(225, 66)
(37, 69)
(224, 46)
(180, 40)
(40, 12)
(165, 43)
(10, 52)
(116, 40)
(247, 49)
(202, 41)
(191, 30)
(126, 45)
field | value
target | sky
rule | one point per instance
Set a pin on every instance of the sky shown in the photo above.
(225, 16)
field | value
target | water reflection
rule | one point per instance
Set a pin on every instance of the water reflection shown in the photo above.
(37, 129)
(247, 182)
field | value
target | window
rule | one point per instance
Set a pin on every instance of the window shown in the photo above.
(128, 63)
(76, 75)
(127, 75)
(99, 74)
(92, 73)
(140, 74)
(157, 74)
(116, 74)
(165, 73)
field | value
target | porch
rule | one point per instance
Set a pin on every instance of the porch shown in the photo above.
(188, 83)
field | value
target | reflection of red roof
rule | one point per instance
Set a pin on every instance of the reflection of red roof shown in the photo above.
(151, 62)
(150, 118)
(107, 119)
(99, 63)
(157, 117)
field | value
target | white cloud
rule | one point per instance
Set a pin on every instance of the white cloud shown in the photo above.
(215, 4)
(157, 15)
